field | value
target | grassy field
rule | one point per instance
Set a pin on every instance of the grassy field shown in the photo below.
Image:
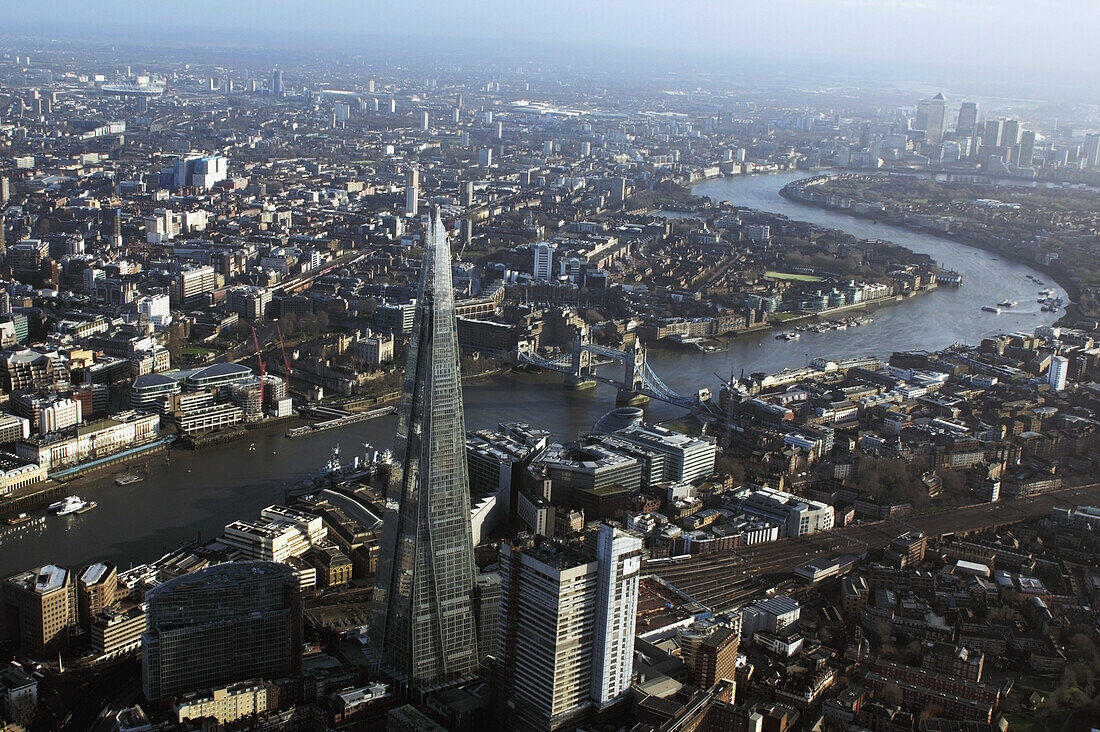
(784, 317)
(1024, 722)
(773, 275)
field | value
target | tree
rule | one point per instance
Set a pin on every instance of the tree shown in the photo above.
(891, 694)
(731, 466)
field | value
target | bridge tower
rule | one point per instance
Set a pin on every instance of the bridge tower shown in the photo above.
(580, 375)
(633, 376)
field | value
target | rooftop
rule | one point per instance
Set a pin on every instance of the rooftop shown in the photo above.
(47, 578)
(94, 573)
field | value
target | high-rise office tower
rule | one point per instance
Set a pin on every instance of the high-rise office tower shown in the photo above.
(467, 193)
(1092, 150)
(968, 119)
(567, 616)
(923, 108)
(937, 119)
(994, 132)
(277, 82)
(423, 623)
(543, 268)
(619, 555)
(424, 121)
(412, 191)
(222, 624)
(1059, 370)
(1027, 149)
(1011, 134)
(116, 229)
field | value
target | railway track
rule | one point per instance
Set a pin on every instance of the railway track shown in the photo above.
(723, 580)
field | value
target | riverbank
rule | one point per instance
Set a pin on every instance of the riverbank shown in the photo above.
(1059, 278)
(724, 338)
(199, 492)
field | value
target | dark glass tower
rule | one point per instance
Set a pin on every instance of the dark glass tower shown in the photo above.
(423, 624)
(219, 625)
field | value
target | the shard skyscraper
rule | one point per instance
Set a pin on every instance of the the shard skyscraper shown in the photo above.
(423, 624)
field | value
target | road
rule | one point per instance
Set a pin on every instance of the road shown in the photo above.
(724, 580)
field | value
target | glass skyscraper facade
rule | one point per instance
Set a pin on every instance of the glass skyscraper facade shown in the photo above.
(225, 623)
(423, 624)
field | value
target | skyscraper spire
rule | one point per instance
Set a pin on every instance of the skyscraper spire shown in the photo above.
(423, 625)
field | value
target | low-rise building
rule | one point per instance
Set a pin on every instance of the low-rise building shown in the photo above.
(117, 631)
(799, 516)
(18, 696)
(91, 441)
(227, 703)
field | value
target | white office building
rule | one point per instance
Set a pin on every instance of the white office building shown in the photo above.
(543, 268)
(412, 191)
(155, 307)
(687, 458)
(619, 554)
(58, 415)
(566, 636)
(797, 515)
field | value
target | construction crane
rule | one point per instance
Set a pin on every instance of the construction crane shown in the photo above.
(260, 358)
(286, 361)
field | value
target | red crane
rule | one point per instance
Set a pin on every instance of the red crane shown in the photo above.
(286, 361)
(260, 358)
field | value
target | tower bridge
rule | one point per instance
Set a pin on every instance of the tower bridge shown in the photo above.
(636, 379)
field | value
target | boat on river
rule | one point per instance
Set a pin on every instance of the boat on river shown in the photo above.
(129, 479)
(71, 504)
(16, 520)
(991, 309)
(1008, 303)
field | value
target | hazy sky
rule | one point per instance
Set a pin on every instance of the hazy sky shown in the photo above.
(1038, 35)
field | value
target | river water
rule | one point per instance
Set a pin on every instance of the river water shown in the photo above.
(200, 492)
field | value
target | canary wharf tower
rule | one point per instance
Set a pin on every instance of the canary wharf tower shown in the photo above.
(423, 625)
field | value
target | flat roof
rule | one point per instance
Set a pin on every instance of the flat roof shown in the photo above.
(147, 380)
(219, 370)
(94, 573)
(47, 578)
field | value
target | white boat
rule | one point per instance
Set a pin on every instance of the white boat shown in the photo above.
(71, 504)
(788, 336)
(1008, 303)
(991, 309)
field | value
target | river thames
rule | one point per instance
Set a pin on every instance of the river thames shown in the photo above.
(200, 492)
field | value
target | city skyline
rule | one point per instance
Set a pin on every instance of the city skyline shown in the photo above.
(842, 38)
(754, 389)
